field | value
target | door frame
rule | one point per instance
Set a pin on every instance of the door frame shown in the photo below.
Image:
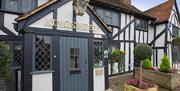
(55, 34)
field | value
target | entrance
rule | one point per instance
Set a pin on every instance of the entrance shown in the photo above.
(73, 64)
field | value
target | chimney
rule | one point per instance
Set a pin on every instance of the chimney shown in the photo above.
(126, 1)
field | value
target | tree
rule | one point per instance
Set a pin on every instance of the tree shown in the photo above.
(5, 61)
(142, 52)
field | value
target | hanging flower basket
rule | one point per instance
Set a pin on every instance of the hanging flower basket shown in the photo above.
(176, 42)
(117, 55)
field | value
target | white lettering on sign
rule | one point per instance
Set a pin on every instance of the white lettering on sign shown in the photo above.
(70, 25)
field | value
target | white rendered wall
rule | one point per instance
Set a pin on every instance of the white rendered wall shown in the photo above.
(42, 82)
(41, 2)
(9, 19)
(65, 13)
(150, 34)
(161, 40)
(99, 80)
(41, 23)
(2, 33)
(83, 20)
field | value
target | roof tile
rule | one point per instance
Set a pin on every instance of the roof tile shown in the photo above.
(161, 12)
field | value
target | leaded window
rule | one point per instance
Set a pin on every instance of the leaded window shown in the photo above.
(75, 59)
(43, 53)
(11, 5)
(110, 17)
(141, 24)
(98, 51)
(18, 55)
(176, 31)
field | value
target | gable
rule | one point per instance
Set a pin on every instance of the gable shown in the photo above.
(60, 15)
(174, 17)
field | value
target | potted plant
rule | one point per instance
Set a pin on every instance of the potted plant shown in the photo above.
(164, 76)
(119, 57)
(141, 52)
(5, 61)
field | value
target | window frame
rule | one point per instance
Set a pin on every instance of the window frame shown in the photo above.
(74, 55)
(103, 16)
(34, 53)
(175, 31)
(143, 24)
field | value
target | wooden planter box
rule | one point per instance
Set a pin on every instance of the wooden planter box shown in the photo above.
(165, 80)
(132, 88)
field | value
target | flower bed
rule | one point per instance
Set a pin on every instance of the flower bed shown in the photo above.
(165, 80)
(135, 88)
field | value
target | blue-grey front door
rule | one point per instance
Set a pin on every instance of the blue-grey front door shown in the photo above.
(73, 64)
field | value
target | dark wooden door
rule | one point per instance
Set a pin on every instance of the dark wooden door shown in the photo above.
(73, 64)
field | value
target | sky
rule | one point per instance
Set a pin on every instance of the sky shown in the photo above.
(146, 4)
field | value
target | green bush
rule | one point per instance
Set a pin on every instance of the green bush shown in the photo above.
(142, 52)
(165, 64)
(147, 64)
(5, 61)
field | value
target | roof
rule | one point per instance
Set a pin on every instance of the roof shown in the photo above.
(121, 6)
(161, 12)
(36, 10)
(44, 6)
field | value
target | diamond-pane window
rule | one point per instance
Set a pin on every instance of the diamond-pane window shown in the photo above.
(42, 53)
(98, 51)
(18, 55)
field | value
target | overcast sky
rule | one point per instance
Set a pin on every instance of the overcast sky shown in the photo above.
(146, 4)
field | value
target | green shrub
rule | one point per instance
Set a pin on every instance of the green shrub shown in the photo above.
(147, 64)
(165, 64)
(5, 61)
(142, 51)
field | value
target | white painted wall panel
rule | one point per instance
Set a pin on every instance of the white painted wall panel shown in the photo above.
(141, 36)
(160, 55)
(132, 56)
(122, 46)
(41, 2)
(127, 57)
(137, 36)
(160, 41)
(99, 80)
(65, 13)
(115, 31)
(169, 50)
(132, 31)
(127, 34)
(98, 29)
(150, 34)
(122, 36)
(145, 37)
(42, 23)
(83, 20)
(9, 19)
(122, 20)
(42, 82)
(160, 28)
(2, 33)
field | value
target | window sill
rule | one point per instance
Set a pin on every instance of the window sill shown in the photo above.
(41, 72)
